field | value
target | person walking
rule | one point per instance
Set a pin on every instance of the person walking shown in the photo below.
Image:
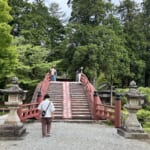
(46, 108)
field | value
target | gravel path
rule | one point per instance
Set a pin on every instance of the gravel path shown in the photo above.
(73, 136)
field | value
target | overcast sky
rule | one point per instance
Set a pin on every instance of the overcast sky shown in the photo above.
(64, 7)
(67, 10)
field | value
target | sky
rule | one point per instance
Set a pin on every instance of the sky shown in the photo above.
(67, 10)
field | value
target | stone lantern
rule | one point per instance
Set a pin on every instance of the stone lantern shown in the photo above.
(132, 128)
(13, 128)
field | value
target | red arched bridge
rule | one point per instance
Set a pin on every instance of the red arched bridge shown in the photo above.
(72, 100)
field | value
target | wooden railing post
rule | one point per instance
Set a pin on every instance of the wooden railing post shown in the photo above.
(118, 111)
(39, 97)
(97, 104)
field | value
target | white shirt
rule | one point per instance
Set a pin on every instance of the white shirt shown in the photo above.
(53, 71)
(43, 106)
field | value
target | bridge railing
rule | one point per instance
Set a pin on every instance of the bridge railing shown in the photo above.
(30, 110)
(27, 111)
(43, 88)
(36, 93)
(99, 110)
(108, 112)
(90, 89)
(105, 112)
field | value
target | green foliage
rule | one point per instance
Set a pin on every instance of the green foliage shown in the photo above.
(144, 117)
(96, 45)
(121, 91)
(91, 12)
(36, 24)
(3, 113)
(32, 60)
(132, 22)
(100, 79)
(4, 12)
(94, 38)
(8, 55)
(146, 30)
(6, 38)
(146, 92)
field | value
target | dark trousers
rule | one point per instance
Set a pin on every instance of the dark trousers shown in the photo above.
(46, 126)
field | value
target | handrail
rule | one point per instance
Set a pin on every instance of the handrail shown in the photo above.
(89, 88)
(43, 88)
(98, 110)
(35, 94)
(30, 110)
(105, 112)
(27, 111)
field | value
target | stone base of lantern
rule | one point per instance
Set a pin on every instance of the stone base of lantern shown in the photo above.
(132, 135)
(12, 132)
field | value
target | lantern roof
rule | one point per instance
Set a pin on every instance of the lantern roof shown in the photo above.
(14, 88)
(133, 91)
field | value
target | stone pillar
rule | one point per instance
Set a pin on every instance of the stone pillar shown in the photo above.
(12, 128)
(132, 128)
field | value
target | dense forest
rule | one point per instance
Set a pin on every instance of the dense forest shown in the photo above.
(110, 42)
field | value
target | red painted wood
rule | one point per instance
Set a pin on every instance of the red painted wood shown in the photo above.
(118, 113)
(66, 101)
(27, 111)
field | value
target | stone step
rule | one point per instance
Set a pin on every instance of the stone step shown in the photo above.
(78, 105)
(79, 101)
(74, 120)
(81, 113)
(80, 109)
(81, 116)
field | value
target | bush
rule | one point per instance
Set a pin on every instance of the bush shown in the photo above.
(144, 117)
(146, 92)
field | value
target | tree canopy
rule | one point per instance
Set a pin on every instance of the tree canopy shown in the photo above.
(107, 40)
(8, 55)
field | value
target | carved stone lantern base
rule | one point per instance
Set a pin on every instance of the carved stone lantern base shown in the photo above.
(132, 135)
(12, 132)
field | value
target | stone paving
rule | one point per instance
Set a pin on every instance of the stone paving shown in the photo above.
(74, 136)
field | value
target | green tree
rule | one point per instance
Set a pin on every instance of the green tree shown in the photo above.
(32, 64)
(8, 55)
(134, 38)
(98, 49)
(91, 12)
(35, 23)
(96, 41)
(55, 11)
(146, 30)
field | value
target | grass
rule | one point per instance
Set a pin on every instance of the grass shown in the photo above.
(147, 130)
(3, 113)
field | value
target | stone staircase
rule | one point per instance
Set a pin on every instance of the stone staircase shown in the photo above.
(77, 99)
(55, 90)
(79, 102)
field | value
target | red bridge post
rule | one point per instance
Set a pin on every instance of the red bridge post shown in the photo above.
(39, 97)
(118, 111)
(97, 104)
